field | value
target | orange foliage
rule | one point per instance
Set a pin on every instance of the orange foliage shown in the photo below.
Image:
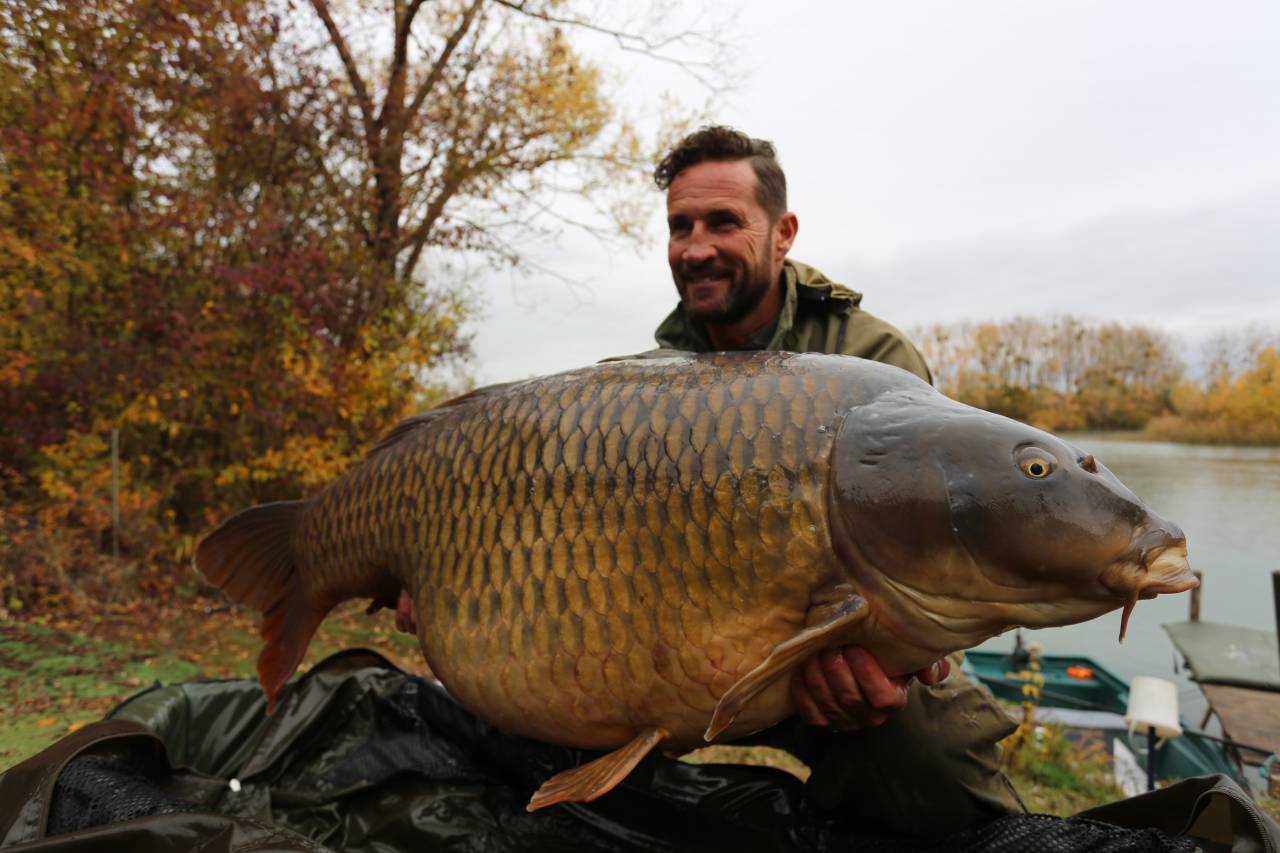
(212, 241)
(1063, 374)
(1067, 374)
(1243, 408)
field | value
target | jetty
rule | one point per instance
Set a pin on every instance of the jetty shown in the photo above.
(1238, 669)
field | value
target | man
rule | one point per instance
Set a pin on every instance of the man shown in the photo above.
(925, 755)
(915, 754)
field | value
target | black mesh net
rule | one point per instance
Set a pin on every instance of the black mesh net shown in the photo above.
(98, 790)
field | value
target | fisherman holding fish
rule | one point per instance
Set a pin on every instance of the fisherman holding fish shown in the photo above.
(639, 555)
(894, 750)
(926, 747)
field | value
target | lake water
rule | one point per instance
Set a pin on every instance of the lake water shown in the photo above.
(1227, 501)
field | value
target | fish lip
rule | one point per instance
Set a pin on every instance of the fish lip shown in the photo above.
(1146, 573)
(1167, 570)
(1161, 570)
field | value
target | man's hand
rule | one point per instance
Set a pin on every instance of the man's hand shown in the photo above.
(846, 689)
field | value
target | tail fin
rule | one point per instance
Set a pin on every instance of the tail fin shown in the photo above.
(250, 558)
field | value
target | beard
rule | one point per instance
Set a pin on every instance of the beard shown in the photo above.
(747, 286)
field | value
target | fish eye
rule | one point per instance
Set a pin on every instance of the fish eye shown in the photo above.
(1035, 464)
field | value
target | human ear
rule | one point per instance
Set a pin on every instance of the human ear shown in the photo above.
(784, 233)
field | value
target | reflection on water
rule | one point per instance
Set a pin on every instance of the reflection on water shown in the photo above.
(1227, 500)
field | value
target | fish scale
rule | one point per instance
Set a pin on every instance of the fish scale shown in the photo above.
(638, 553)
(649, 445)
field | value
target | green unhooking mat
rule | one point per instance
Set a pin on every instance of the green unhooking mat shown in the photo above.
(360, 756)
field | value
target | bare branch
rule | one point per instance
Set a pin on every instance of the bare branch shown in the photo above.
(417, 240)
(406, 24)
(353, 211)
(349, 63)
(437, 67)
(629, 41)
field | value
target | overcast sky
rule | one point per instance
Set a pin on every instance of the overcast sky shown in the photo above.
(975, 160)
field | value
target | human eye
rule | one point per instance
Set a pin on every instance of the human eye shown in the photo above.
(723, 221)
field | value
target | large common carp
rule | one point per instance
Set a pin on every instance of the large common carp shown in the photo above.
(639, 552)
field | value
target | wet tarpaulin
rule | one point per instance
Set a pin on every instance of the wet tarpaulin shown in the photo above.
(360, 756)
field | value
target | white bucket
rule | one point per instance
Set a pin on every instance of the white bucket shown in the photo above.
(1153, 702)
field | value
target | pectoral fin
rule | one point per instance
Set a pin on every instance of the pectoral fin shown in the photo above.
(583, 784)
(784, 656)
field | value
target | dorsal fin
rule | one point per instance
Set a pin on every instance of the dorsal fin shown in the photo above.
(409, 425)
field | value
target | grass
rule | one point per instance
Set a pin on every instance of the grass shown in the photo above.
(1060, 772)
(56, 674)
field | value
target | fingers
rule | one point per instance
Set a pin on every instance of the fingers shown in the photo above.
(880, 691)
(801, 697)
(935, 672)
(839, 694)
(845, 691)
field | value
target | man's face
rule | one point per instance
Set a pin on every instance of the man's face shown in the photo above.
(723, 250)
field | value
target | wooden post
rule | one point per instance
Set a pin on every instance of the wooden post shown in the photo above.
(1275, 592)
(1151, 758)
(1195, 597)
(115, 494)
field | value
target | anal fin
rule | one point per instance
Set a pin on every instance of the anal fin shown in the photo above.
(781, 659)
(595, 778)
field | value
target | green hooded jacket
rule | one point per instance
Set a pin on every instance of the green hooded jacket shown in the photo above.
(817, 315)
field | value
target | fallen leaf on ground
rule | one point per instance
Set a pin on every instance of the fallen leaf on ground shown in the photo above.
(46, 722)
(75, 727)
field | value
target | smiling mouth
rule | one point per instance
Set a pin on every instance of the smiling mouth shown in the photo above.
(706, 280)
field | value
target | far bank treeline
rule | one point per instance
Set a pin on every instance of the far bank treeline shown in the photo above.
(1069, 374)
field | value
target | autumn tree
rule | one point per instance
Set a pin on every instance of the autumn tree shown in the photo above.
(452, 124)
(214, 221)
(1062, 373)
(1237, 398)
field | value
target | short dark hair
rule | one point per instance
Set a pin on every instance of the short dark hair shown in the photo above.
(717, 142)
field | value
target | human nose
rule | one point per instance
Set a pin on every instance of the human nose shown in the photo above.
(697, 247)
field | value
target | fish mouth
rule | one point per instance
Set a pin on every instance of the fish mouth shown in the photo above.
(1162, 570)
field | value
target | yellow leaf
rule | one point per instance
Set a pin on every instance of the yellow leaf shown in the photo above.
(46, 722)
(75, 727)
